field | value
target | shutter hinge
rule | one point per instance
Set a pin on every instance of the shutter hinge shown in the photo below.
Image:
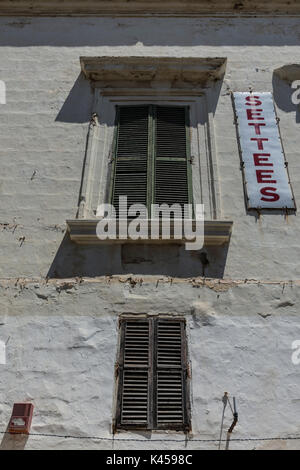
(117, 366)
(192, 159)
(188, 372)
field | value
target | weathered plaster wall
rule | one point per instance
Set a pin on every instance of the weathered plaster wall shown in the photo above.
(63, 346)
(62, 341)
(45, 121)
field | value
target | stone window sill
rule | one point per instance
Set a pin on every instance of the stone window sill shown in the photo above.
(83, 231)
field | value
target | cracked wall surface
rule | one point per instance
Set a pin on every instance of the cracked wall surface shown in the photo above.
(62, 348)
(44, 128)
(59, 302)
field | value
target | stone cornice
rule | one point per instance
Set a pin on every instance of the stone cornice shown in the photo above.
(135, 72)
(146, 7)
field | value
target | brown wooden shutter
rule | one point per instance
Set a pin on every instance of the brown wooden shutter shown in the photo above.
(171, 373)
(133, 400)
(152, 391)
(172, 156)
(131, 156)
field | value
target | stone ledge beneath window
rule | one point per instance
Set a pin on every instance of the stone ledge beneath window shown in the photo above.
(83, 231)
(136, 72)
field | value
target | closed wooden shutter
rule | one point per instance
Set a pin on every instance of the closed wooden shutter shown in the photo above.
(134, 374)
(170, 370)
(152, 156)
(172, 156)
(152, 389)
(131, 156)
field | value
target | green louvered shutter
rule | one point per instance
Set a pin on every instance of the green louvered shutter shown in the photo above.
(172, 156)
(131, 156)
(152, 162)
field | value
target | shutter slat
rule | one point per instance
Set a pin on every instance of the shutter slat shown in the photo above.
(171, 183)
(170, 132)
(170, 383)
(171, 173)
(131, 159)
(133, 163)
(133, 132)
(135, 399)
(153, 384)
(169, 398)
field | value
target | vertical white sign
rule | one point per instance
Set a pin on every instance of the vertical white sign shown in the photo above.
(265, 170)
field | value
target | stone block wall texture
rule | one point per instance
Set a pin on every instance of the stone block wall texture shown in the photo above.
(62, 335)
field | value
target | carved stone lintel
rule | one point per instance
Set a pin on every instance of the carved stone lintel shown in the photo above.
(137, 72)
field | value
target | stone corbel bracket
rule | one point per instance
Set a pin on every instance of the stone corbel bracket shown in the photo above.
(142, 72)
(288, 73)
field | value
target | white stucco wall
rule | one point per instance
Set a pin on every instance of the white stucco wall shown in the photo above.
(62, 347)
(44, 127)
(62, 343)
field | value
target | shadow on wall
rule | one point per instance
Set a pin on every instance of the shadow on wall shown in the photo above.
(73, 260)
(148, 31)
(78, 106)
(282, 92)
(284, 214)
(13, 441)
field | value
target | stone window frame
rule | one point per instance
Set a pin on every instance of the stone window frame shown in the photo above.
(151, 80)
(99, 151)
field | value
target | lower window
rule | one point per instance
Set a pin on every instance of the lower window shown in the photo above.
(153, 375)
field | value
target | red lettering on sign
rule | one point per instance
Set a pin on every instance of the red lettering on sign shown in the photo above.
(260, 141)
(256, 126)
(263, 176)
(269, 191)
(259, 158)
(254, 114)
(253, 100)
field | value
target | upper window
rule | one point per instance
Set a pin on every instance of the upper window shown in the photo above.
(152, 375)
(152, 162)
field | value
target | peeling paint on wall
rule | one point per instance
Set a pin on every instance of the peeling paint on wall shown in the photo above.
(60, 303)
